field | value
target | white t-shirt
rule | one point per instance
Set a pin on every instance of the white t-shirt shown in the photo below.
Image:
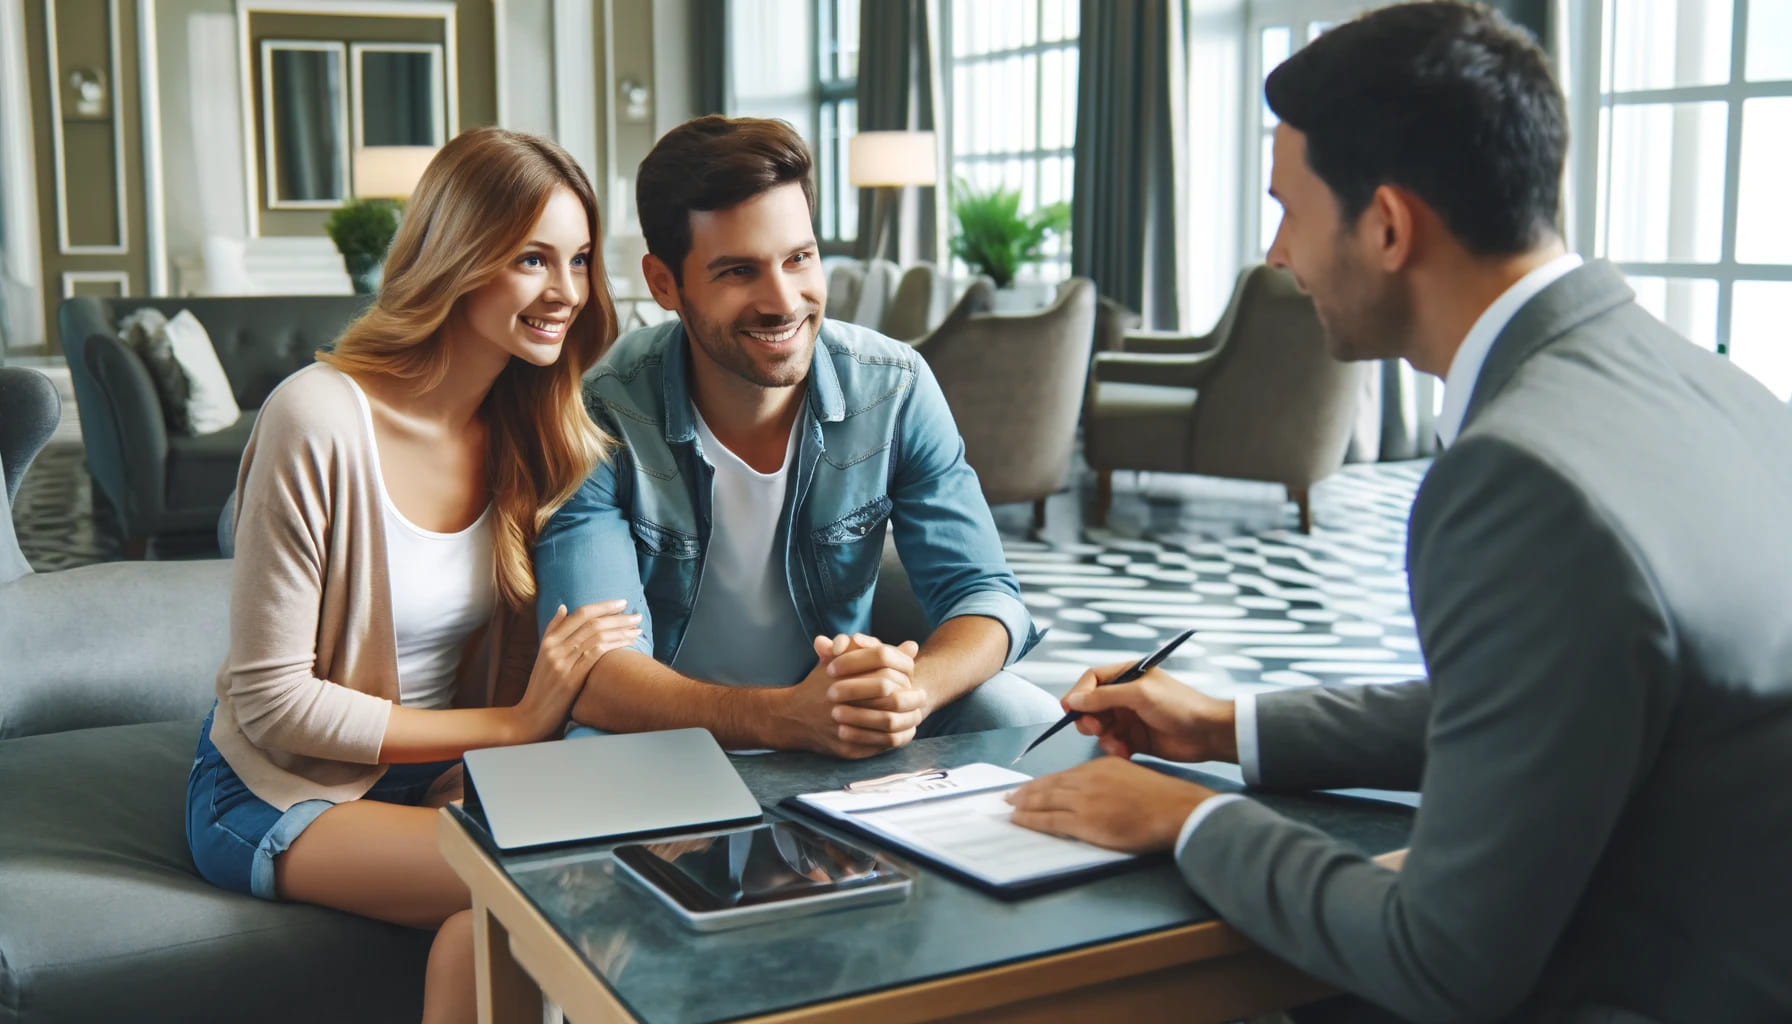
(443, 588)
(744, 630)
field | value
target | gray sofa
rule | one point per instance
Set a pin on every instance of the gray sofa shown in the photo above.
(156, 481)
(105, 672)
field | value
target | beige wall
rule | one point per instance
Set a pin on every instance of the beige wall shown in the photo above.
(92, 226)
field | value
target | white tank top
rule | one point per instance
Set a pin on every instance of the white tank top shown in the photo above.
(443, 588)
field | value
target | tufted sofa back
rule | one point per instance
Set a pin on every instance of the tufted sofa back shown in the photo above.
(260, 339)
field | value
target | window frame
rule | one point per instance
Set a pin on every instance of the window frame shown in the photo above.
(1593, 102)
(1053, 268)
(832, 178)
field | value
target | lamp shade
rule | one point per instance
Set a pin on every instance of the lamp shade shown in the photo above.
(390, 172)
(876, 159)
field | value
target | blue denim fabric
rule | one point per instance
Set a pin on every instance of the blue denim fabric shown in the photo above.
(878, 451)
(235, 835)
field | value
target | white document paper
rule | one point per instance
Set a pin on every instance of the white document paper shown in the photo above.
(962, 820)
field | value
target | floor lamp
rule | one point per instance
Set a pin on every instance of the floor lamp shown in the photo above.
(890, 162)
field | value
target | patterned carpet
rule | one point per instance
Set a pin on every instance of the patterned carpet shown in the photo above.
(1274, 607)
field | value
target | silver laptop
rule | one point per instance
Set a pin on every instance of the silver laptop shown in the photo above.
(603, 787)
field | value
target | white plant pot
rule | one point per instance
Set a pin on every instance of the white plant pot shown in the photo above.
(1023, 297)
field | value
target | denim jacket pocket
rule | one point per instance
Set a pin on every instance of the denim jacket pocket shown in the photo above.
(848, 550)
(668, 561)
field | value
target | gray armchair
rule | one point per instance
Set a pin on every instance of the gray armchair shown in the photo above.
(860, 291)
(159, 482)
(1015, 386)
(1257, 399)
(920, 303)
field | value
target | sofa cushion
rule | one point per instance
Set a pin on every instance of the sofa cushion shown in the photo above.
(145, 333)
(202, 469)
(106, 919)
(110, 644)
(210, 404)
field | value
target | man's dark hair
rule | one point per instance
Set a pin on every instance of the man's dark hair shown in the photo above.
(1447, 100)
(713, 163)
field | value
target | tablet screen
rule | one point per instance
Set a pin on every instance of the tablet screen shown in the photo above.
(752, 867)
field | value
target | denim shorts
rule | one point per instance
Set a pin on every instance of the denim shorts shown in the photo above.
(235, 835)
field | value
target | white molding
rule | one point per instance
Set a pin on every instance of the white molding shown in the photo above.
(251, 166)
(363, 8)
(438, 98)
(58, 150)
(268, 48)
(451, 36)
(444, 10)
(500, 40)
(155, 241)
(70, 278)
(576, 111)
(607, 80)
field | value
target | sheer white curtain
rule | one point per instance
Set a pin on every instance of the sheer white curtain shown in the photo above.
(1212, 183)
(771, 73)
(21, 287)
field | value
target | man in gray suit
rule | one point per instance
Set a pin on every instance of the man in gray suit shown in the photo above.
(1599, 563)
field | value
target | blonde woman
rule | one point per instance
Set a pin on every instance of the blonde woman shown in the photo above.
(382, 607)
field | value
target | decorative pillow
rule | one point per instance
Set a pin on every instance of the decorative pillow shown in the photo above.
(211, 405)
(142, 333)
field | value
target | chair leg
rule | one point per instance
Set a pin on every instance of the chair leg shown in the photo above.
(1104, 495)
(1303, 501)
(1039, 514)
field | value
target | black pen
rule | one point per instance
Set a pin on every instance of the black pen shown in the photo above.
(1144, 665)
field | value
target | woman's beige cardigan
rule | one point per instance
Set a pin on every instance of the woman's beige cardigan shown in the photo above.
(312, 673)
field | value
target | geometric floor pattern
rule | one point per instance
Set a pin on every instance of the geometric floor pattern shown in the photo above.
(1274, 608)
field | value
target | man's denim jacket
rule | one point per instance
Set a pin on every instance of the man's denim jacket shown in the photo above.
(877, 448)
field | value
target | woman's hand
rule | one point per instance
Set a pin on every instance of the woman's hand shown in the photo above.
(571, 645)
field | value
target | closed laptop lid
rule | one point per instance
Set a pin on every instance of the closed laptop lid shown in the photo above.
(603, 787)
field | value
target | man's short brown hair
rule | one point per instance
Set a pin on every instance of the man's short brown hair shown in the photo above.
(713, 163)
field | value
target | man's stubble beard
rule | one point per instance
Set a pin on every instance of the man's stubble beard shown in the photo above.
(1369, 316)
(720, 343)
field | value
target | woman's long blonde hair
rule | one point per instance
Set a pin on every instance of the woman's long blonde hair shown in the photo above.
(471, 214)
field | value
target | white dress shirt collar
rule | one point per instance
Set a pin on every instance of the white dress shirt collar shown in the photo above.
(1465, 369)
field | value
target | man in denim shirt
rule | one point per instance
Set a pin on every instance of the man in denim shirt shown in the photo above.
(764, 453)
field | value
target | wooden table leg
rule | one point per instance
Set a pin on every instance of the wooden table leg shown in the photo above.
(507, 995)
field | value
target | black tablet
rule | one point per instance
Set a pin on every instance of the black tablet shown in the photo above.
(762, 873)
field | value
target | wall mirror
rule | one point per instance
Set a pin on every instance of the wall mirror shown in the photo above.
(304, 97)
(399, 94)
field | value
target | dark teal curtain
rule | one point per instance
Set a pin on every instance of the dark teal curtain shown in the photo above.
(895, 93)
(709, 45)
(1123, 210)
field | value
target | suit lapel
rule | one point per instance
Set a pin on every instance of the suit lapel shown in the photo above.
(1578, 296)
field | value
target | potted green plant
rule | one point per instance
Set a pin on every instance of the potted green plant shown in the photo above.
(994, 237)
(362, 230)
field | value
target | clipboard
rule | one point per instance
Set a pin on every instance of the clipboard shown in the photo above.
(956, 822)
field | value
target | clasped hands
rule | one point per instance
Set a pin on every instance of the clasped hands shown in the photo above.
(1111, 801)
(860, 699)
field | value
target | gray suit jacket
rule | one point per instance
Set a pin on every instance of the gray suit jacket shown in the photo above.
(1601, 574)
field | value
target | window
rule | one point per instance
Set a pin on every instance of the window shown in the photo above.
(837, 118)
(784, 89)
(1275, 35)
(1691, 114)
(1010, 84)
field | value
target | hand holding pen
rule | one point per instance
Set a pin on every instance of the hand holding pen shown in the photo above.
(1126, 674)
(1140, 709)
